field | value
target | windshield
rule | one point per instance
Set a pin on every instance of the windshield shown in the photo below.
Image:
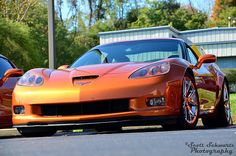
(132, 51)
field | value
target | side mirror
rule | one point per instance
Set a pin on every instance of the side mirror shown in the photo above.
(63, 67)
(12, 73)
(207, 58)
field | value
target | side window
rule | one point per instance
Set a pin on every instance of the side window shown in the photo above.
(192, 57)
(4, 66)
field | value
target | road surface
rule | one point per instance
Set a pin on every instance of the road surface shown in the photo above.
(139, 142)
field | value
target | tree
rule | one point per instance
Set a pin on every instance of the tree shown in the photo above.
(17, 44)
(16, 10)
(221, 11)
(169, 12)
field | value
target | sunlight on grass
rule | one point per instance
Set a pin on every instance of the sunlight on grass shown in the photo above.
(233, 106)
(78, 130)
(233, 103)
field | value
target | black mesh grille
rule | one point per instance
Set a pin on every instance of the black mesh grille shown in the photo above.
(87, 108)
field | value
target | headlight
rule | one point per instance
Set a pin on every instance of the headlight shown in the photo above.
(30, 79)
(152, 70)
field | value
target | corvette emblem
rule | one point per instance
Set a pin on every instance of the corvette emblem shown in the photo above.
(82, 83)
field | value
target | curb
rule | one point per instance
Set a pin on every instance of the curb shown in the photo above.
(9, 132)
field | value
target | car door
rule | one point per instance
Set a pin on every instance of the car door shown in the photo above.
(205, 78)
(6, 89)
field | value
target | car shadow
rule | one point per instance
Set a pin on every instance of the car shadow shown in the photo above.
(134, 129)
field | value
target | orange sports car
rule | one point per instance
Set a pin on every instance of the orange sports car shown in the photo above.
(156, 81)
(9, 75)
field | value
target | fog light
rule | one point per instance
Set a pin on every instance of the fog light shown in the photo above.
(19, 110)
(156, 101)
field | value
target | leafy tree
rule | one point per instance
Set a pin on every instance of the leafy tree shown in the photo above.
(221, 11)
(16, 10)
(196, 21)
(37, 21)
(169, 12)
(17, 44)
(24, 25)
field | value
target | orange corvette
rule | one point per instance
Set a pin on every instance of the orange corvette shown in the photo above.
(156, 81)
(8, 78)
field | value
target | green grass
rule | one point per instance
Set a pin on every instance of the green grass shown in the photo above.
(233, 103)
(233, 107)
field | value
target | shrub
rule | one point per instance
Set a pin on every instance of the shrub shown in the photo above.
(231, 77)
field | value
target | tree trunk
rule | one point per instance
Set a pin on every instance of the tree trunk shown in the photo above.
(90, 12)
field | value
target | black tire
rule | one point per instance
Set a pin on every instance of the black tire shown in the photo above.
(108, 128)
(36, 132)
(221, 117)
(189, 106)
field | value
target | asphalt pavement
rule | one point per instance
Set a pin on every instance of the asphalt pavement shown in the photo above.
(151, 141)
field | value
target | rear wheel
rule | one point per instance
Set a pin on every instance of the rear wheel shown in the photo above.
(222, 115)
(189, 107)
(36, 132)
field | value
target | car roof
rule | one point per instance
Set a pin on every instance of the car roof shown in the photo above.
(175, 39)
(3, 56)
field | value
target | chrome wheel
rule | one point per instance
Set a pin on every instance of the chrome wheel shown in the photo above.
(226, 103)
(190, 104)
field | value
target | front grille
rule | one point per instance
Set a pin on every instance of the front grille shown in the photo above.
(86, 108)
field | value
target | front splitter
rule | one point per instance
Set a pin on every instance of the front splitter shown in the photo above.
(134, 121)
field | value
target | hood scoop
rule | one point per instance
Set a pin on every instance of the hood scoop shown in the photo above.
(86, 77)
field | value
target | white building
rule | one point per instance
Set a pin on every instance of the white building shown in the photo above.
(218, 41)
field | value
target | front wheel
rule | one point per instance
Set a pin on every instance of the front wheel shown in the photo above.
(36, 132)
(189, 111)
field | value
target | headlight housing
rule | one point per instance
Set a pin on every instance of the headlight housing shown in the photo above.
(151, 70)
(30, 79)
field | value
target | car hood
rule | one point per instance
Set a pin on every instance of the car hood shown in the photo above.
(99, 69)
(124, 69)
(75, 84)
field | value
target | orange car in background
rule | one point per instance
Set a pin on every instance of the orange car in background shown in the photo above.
(9, 75)
(156, 81)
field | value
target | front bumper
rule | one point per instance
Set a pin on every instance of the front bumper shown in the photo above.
(37, 119)
(137, 91)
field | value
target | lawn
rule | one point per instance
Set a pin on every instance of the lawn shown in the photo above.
(233, 106)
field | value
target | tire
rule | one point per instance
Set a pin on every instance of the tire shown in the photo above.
(222, 116)
(189, 111)
(36, 132)
(110, 128)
